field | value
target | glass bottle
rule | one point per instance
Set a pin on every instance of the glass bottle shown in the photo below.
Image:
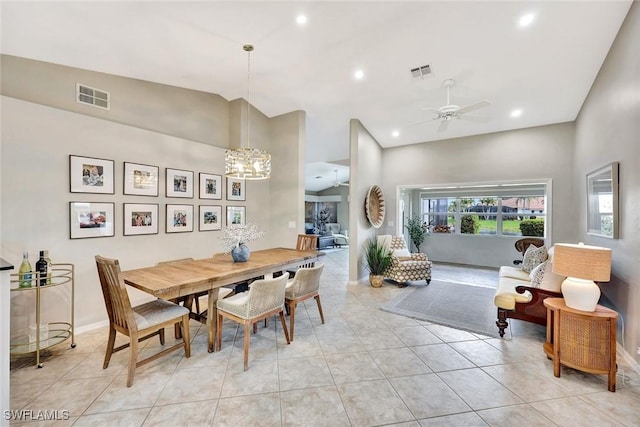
(41, 267)
(49, 272)
(24, 274)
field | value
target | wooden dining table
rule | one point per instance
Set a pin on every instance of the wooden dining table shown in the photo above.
(173, 280)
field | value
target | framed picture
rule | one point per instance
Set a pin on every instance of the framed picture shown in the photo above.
(236, 189)
(236, 215)
(210, 186)
(89, 219)
(179, 183)
(602, 201)
(179, 218)
(140, 180)
(140, 219)
(90, 175)
(210, 218)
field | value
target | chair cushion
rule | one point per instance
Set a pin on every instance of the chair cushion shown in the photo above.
(506, 295)
(235, 304)
(404, 252)
(533, 257)
(513, 273)
(156, 312)
(543, 277)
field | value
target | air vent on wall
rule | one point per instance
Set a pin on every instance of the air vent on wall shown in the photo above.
(92, 96)
(420, 72)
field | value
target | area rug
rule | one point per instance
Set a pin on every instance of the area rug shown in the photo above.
(459, 306)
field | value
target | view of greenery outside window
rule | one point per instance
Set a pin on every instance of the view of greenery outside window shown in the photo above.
(516, 215)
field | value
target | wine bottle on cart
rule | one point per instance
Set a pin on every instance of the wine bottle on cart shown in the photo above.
(41, 267)
(24, 274)
(49, 272)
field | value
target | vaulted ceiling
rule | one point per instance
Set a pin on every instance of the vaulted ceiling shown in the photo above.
(545, 69)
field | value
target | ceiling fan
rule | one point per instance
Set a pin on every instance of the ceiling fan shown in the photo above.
(451, 111)
(338, 183)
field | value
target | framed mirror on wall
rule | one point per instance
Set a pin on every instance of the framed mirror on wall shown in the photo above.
(602, 201)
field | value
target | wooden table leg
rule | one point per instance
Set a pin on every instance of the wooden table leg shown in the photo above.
(212, 318)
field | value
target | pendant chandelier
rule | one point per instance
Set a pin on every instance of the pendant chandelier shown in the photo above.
(246, 162)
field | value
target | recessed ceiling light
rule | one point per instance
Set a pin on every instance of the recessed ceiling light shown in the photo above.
(516, 113)
(395, 133)
(526, 20)
(301, 19)
(358, 74)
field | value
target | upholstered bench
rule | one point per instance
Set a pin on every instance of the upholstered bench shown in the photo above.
(521, 290)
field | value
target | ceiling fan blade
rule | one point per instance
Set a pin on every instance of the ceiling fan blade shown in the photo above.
(443, 126)
(477, 105)
(479, 119)
(423, 121)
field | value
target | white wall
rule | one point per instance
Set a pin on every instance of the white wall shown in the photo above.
(608, 130)
(539, 153)
(366, 162)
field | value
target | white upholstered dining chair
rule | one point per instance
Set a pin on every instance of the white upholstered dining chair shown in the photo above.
(264, 298)
(304, 285)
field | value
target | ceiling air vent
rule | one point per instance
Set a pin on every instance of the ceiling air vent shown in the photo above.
(92, 96)
(420, 72)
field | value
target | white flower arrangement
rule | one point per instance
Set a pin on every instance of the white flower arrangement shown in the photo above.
(236, 235)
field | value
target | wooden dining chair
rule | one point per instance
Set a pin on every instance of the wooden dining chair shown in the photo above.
(305, 242)
(304, 285)
(140, 322)
(264, 299)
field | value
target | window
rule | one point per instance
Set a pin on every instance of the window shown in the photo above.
(490, 210)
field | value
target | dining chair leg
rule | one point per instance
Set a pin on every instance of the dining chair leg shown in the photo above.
(110, 345)
(292, 316)
(133, 357)
(246, 344)
(317, 297)
(185, 335)
(161, 334)
(218, 343)
(284, 327)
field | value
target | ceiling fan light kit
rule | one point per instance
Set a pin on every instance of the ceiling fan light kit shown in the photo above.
(452, 111)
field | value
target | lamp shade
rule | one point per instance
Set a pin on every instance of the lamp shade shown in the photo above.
(582, 261)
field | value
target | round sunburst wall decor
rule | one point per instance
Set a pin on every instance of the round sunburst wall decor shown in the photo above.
(374, 206)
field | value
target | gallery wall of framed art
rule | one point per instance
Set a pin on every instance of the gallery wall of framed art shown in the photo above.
(96, 176)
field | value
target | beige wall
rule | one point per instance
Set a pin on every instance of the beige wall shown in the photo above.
(532, 154)
(287, 178)
(37, 140)
(608, 130)
(184, 113)
(366, 164)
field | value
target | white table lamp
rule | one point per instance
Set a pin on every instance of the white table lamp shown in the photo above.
(582, 265)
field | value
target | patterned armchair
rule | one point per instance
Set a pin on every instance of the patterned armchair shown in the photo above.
(405, 266)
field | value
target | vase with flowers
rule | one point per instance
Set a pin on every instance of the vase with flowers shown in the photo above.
(235, 238)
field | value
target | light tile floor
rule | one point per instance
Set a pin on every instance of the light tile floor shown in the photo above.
(363, 367)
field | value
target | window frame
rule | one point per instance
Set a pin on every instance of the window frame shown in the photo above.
(500, 191)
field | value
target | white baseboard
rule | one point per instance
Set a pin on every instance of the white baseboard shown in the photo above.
(91, 326)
